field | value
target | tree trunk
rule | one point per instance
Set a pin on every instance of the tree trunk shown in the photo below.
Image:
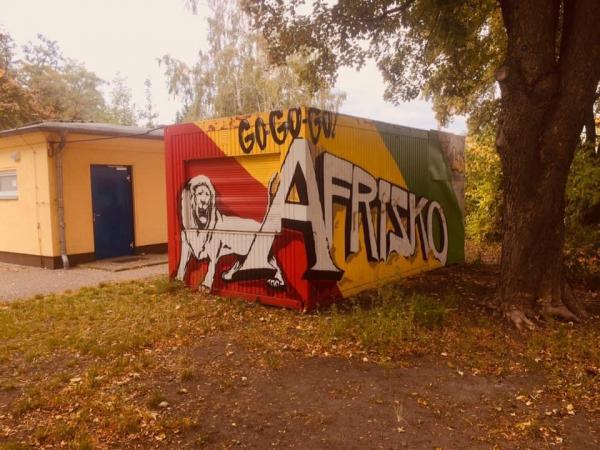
(532, 281)
(545, 92)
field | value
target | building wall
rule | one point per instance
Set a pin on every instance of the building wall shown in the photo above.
(145, 156)
(301, 205)
(25, 223)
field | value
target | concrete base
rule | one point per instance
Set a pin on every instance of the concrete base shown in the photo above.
(126, 262)
(55, 262)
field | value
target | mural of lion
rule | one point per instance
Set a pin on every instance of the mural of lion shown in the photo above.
(207, 234)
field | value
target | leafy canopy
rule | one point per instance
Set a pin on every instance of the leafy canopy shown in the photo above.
(18, 105)
(63, 86)
(44, 84)
(447, 50)
(235, 74)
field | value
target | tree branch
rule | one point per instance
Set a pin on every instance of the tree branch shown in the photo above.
(397, 9)
(579, 66)
(580, 48)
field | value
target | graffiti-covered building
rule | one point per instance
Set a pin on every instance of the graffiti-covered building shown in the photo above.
(297, 207)
(74, 192)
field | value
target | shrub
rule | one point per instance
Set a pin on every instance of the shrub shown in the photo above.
(483, 198)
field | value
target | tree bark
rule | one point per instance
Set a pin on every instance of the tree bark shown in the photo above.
(545, 90)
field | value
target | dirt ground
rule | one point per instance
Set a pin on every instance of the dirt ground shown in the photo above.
(226, 374)
(315, 403)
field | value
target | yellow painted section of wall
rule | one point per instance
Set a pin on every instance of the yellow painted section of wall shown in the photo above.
(356, 140)
(25, 223)
(224, 133)
(146, 156)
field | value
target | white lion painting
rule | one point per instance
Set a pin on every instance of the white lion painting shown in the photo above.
(208, 234)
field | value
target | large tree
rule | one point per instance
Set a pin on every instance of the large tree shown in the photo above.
(234, 75)
(532, 65)
(147, 115)
(63, 86)
(120, 109)
(46, 85)
(17, 103)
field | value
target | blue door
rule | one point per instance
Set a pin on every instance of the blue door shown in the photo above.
(112, 207)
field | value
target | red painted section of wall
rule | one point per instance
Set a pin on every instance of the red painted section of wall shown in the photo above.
(190, 152)
(182, 143)
(237, 192)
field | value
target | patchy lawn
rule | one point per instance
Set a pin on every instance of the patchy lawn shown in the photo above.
(416, 365)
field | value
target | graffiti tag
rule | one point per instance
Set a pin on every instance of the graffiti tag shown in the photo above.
(279, 127)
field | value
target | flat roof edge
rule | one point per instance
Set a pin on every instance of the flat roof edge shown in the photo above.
(383, 125)
(106, 130)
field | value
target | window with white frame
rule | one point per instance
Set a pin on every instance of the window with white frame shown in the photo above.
(8, 185)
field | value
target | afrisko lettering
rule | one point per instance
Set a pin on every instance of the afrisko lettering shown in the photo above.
(255, 135)
(391, 219)
(362, 194)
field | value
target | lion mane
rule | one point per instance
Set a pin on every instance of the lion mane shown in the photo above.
(192, 212)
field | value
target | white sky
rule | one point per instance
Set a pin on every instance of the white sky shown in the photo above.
(128, 36)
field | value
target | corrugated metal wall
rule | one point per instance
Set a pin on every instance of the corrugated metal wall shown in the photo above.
(271, 263)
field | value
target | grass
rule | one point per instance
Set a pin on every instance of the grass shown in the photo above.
(188, 374)
(63, 350)
(94, 365)
(383, 320)
(99, 322)
(155, 399)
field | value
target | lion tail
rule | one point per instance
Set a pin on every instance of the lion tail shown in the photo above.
(272, 187)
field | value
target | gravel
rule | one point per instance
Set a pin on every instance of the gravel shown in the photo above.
(21, 281)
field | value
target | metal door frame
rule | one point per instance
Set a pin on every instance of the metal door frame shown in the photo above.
(130, 174)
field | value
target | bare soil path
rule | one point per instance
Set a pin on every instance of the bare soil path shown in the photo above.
(334, 403)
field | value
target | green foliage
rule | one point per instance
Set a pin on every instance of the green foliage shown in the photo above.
(582, 214)
(7, 46)
(583, 195)
(63, 86)
(235, 75)
(483, 197)
(147, 115)
(46, 85)
(121, 109)
(483, 194)
(17, 104)
(446, 50)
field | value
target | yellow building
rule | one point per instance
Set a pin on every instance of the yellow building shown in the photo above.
(75, 192)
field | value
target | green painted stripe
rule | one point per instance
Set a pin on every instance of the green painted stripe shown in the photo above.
(419, 157)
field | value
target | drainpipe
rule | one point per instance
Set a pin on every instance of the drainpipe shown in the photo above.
(58, 163)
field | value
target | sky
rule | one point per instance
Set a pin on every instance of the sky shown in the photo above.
(128, 36)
